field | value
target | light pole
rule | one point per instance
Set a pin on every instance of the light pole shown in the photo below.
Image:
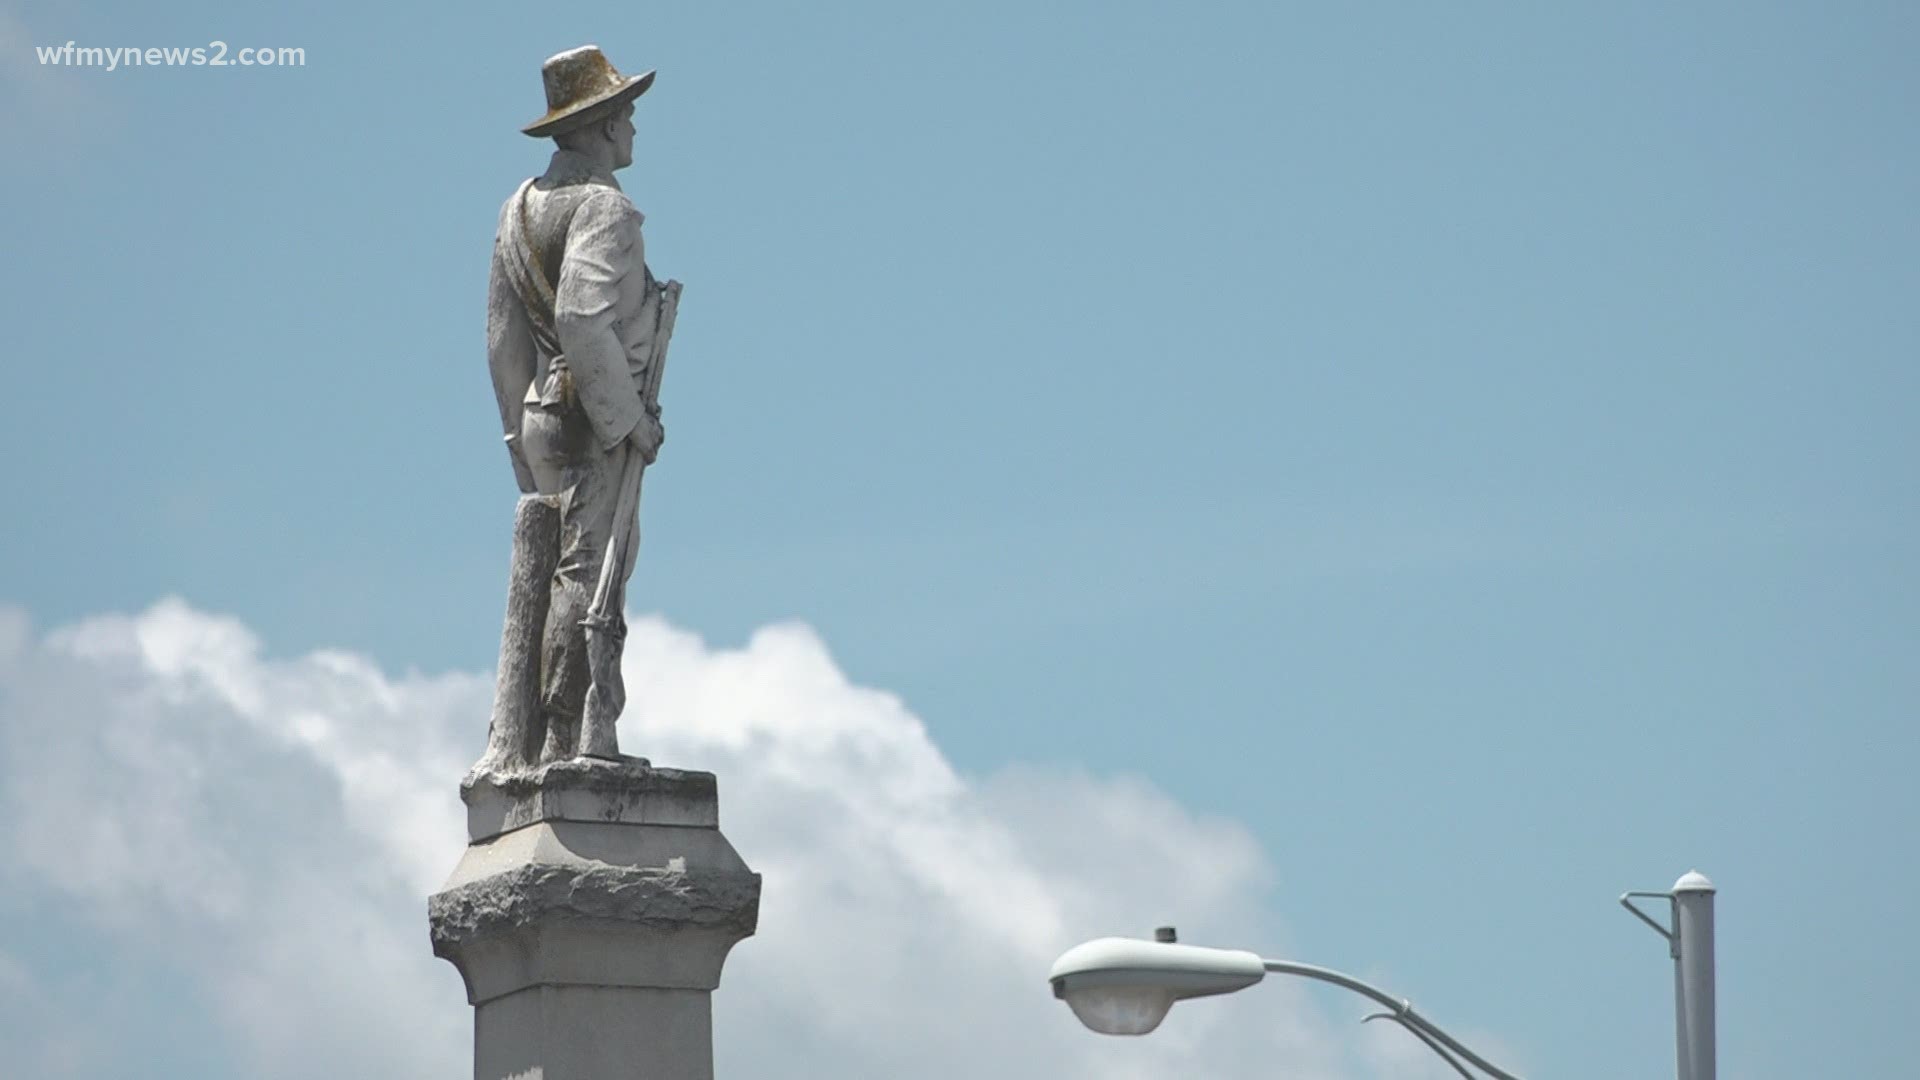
(1125, 986)
(1690, 943)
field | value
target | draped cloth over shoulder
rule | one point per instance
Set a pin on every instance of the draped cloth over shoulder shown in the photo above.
(525, 274)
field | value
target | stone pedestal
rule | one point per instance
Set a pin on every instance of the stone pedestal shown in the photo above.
(590, 918)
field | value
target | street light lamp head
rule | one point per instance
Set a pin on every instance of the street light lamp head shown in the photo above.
(1119, 1010)
(1123, 986)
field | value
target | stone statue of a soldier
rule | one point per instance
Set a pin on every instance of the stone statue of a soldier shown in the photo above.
(577, 329)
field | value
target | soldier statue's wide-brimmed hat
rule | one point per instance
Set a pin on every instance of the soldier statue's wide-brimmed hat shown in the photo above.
(582, 86)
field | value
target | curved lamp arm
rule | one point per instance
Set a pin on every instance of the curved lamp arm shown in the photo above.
(1452, 1062)
(1399, 1010)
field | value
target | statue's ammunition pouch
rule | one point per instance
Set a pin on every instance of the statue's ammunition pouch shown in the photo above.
(555, 392)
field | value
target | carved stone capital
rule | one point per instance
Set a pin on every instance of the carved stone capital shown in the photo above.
(593, 873)
(534, 897)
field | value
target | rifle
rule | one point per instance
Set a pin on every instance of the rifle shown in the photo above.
(605, 625)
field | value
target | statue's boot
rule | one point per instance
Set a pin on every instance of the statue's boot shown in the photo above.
(599, 736)
(607, 690)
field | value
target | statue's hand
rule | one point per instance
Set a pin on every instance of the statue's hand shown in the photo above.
(646, 437)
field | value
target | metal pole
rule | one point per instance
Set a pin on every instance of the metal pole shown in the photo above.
(1693, 973)
(1690, 943)
(1401, 1011)
(1683, 1067)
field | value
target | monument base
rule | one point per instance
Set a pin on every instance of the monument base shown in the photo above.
(590, 918)
(551, 1032)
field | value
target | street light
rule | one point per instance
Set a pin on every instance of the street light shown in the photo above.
(1690, 942)
(1122, 986)
(1125, 986)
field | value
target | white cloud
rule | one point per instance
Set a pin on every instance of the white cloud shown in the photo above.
(263, 833)
(48, 103)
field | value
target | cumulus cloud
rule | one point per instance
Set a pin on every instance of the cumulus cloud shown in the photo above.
(224, 857)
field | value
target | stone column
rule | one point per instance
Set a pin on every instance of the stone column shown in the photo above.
(590, 918)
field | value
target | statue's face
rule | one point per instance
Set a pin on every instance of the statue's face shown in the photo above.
(622, 134)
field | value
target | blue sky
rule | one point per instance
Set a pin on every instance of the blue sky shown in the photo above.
(1470, 447)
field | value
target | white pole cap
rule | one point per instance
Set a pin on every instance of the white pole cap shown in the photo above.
(1693, 881)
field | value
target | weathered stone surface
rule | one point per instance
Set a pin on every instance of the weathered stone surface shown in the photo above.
(515, 733)
(577, 334)
(589, 789)
(594, 908)
(590, 844)
(593, 873)
(530, 897)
